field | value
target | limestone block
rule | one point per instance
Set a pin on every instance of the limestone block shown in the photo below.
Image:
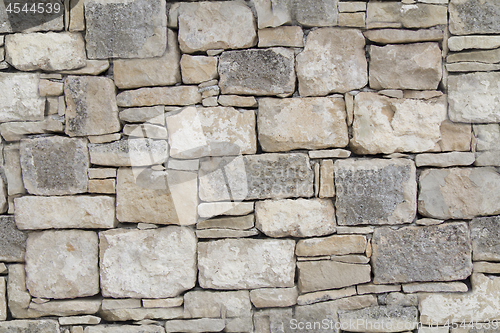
(132, 152)
(237, 101)
(370, 288)
(316, 13)
(168, 253)
(469, 17)
(196, 325)
(485, 238)
(445, 160)
(487, 57)
(459, 43)
(291, 36)
(398, 36)
(274, 297)
(142, 314)
(124, 329)
(20, 100)
(435, 287)
(209, 304)
(210, 209)
(12, 169)
(50, 88)
(30, 326)
(394, 14)
(146, 131)
(152, 114)
(332, 245)
(12, 240)
(197, 69)
(181, 95)
(92, 67)
(455, 136)
(380, 319)
(228, 223)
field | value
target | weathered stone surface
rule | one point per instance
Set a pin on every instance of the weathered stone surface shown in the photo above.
(398, 36)
(12, 241)
(30, 326)
(455, 136)
(3, 299)
(63, 308)
(18, 296)
(84, 212)
(332, 245)
(269, 319)
(326, 295)
(274, 297)
(487, 136)
(170, 258)
(15, 131)
(445, 160)
(47, 51)
(235, 223)
(257, 72)
(237, 101)
(90, 106)
(215, 25)
(20, 99)
(422, 94)
(92, 67)
(411, 66)
(469, 307)
(62, 264)
(399, 299)
(353, 20)
(146, 131)
(12, 169)
(50, 88)
(486, 267)
(226, 233)
(208, 304)
(132, 152)
(357, 181)
(163, 302)
(471, 67)
(196, 325)
(197, 69)
(435, 287)
(459, 43)
(125, 29)
(331, 153)
(333, 60)
(54, 165)
(273, 13)
(80, 320)
(387, 125)
(152, 114)
(471, 97)
(161, 197)
(380, 319)
(486, 57)
(291, 36)
(469, 17)
(216, 131)
(326, 181)
(485, 236)
(302, 123)
(181, 95)
(350, 258)
(296, 218)
(246, 263)
(431, 253)
(115, 304)
(316, 13)
(142, 314)
(459, 193)
(394, 14)
(324, 274)
(124, 329)
(210, 209)
(159, 71)
(377, 288)
(352, 6)
(286, 176)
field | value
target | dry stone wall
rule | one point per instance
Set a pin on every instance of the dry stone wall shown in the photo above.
(267, 166)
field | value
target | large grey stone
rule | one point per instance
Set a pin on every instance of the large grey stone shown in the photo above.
(20, 100)
(64, 212)
(181, 95)
(265, 176)
(246, 263)
(468, 17)
(214, 131)
(132, 152)
(62, 264)
(54, 165)
(161, 197)
(396, 14)
(415, 66)
(473, 98)
(485, 234)
(30, 326)
(168, 254)
(257, 72)
(12, 240)
(302, 123)
(216, 25)
(125, 29)
(387, 125)
(316, 13)
(90, 106)
(429, 253)
(333, 60)
(209, 304)
(296, 218)
(459, 193)
(380, 319)
(375, 191)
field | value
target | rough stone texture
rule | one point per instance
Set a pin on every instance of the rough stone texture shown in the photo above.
(393, 181)
(291, 36)
(274, 297)
(469, 307)
(333, 60)
(115, 304)
(435, 287)
(257, 72)
(316, 13)
(398, 36)
(84, 212)
(92, 67)
(387, 125)
(168, 253)
(445, 160)
(411, 66)
(80, 320)
(125, 29)
(12, 169)
(459, 193)
(182, 95)
(27, 22)
(469, 17)
(228, 223)
(161, 197)
(273, 13)
(354, 20)
(430, 253)
(296, 218)
(210, 209)
(62, 264)
(163, 302)
(486, 57)
(12, 241)
(459, 43)
(145, 130)
(487, 136)
(30, 326)
(152, 114)
(237, 101)
(327, 295)
(196, 325)
(333, 245)
(197, 69)
(286, 176)
(132, 152)
(215, 131)
(471, 97)
(376, 289)
(326, 181)
(485, 236)
(380, 319)
(324, 274)
(46, 51)
(20, 100)
(395, 14)
(215, 25)
(54, 165)
(159, 71)
(124, 329)
(471, 67)
(455, 136)
(142, 314)
(301, 123)
(246, 263)
(208, 304)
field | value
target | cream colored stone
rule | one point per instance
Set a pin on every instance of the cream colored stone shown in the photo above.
(455, 136)
(486, 267)
(471, 67)
(226, 233)
(104, 138)
(425, 94)
(332, 245)
(211, 209)
(385, 14)
(289, 36)
(152, 114)
(352, 6)
(187, 165)
(459, 43)
(124, 329)
(274, 297)
(196, 325)
(377, 288)
(237, 101)
(102, 173)
(397, 36)
(141, 314)
(76, 16)
(50, 88)
(104, 186)
(3, 299)
(16, 131)
(332, 153)
(123, 303)
(210, 304)
(79, 320)
(435, 287)
(146, 131)
(487, 137)
(181, 95)
(350, 258)
(445, 160)
(326, 295)
(163, 302)
(231, 223)
(210, 101)
(92, 67)
(485, 57)
(354, 20)
(272, 13)
(132, 152)
(380, 319)
(197, 69)
(427, 221)
(327, 186)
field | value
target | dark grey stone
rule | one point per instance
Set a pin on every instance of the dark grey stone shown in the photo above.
(469, 17)
(12, 240)
(485, 234)
(29, 326)
(319, 13)
(419, 254)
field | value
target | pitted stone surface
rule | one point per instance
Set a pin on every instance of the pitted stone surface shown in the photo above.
(124, 329)
(380, 319)
(273, 13)
(209, 304)
(154, 263)
(419, 254)
(180, 95)
(132, 152)
(54, 165)
(485, 234)
(20, 100)
(12, 240)
(395, 14)
(375, 191)
(62, 264)
(30, 326)
(316, 13)
(468, 17)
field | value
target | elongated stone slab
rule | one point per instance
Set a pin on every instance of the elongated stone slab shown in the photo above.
(485, 234)
(380, 319)
(132, 152)
(333, 245)
(181, 95)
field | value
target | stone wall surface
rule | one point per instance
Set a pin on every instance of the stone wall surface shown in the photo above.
(259, 166)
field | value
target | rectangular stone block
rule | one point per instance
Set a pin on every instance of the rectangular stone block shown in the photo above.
(469, 17)
(31, 326)
(12, 240)
(25, 21)
(397, 36)
(274, 297)
(290, 36)
(395, 14)
(209, 304)
(380, 319)
(196, 325)
(198, 69)
(316, 13)
(124, 329)
(485, 234)
(419, 254)
(332, 245)
(233, 223)
(65, 212)
(265, 176)
(20, 100)
(131, 152)
(210, 209)
(180, 95)
(246, 263)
